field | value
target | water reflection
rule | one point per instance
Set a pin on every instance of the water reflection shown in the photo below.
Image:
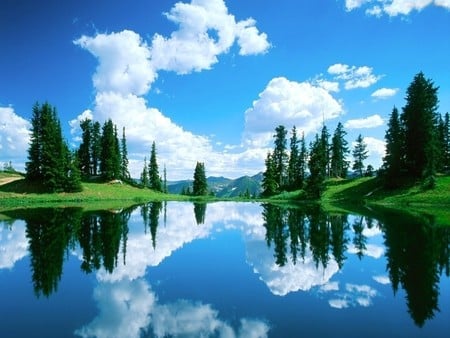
(289, 249)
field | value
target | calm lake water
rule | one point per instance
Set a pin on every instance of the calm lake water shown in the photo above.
(222, 270)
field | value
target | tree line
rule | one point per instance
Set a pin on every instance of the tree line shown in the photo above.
(417, 147)
(100, 155)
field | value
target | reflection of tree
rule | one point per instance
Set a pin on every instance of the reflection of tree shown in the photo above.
(307, 227)
(155, 209)
(417, 252)
(49, 232)
(359, 240)
(199, 212)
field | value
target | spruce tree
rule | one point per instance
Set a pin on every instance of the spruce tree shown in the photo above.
(84, 151)
(269, 181)
(144, 174)
(419, 118)
(317, 168)
(360, 154)
(393, 162)
(280, 156)
(200, 185)
(324, 139)
(302, 162)
(109, 152)
(293, 164)
(33, 166)
(339, 151)
(124, 156)
(73, 182)
(96, 147)
(153, 171)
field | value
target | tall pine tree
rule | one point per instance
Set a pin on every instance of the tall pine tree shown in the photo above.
(293, 165)
(200, 185)
(124, 152)
(339, 151)
(153, 171)
(269, 181)
(419, 118)
(360, 154)
(393, 162)
(280, 156)
(109, 153)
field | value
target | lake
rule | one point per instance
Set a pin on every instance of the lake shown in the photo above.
(225, 269)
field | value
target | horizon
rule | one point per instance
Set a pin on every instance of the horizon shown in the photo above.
(209, 81)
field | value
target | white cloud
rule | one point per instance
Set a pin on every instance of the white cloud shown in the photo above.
(14, 137)
(375, 146)
(384, 93)
(367, 122)
(394, 7)
(352, 76)
(289, 103)
(124, 62)
(193, 47)
(330, 286)
(128, 66)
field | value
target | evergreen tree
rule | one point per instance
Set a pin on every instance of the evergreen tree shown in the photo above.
(359, 155)
(280, 156)
(33, 166)
(96, 147)
(85, 149)
(443, 144)
(153, 171)
(200, 185)
(302, 162)
(109, 153)
(317, 168)
(393, 160)
(293, 165)
(144, 174)
(73, 182)
(49, 158)
(269, 181)
(419, 118)
(124, 167)
(446, 142)
(165, 189)
(324, 139)
(339, 150)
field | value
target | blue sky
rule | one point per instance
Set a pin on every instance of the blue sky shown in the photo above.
(209, 80)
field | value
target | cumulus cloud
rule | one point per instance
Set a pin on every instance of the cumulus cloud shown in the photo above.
(354, 295)
(384, 93)
(14, 136)
(367, 122)
(289, 103)
(128, 66)
(382, 279)
(352, 76)
(394, 7)
(193, 47)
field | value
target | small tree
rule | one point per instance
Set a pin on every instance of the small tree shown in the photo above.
(317, 168)
(200, 185)
(360, 154)
(339, 151)
(144, 174)
(124, 152)
(269, 181)
(153, 171)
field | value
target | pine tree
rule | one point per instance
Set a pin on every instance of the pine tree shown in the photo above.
(446, 143)
(419, 118)
(324, 139)
(359, 155)
(144, 174)
(96, 147)
(294, 157)
(269, 181)
(124, 167)
(33, 166)
(339, 151)
(153, 171)
(280, 156)
(317, 168)
(109, 152)
(393, 162)
(73, 182)
(84, 151)
(200, 185)
(165, 189)
(302, 162)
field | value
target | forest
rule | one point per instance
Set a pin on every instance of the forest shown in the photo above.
(417, 149)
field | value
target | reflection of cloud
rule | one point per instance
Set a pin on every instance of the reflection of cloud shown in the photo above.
(354, 295)
(128, 308)
(382, 279)
(289, 278)
(124, 307)
(371, 250)
(13, 244)
(330, 286)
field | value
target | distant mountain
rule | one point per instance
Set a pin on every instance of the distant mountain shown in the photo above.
(222, 186)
